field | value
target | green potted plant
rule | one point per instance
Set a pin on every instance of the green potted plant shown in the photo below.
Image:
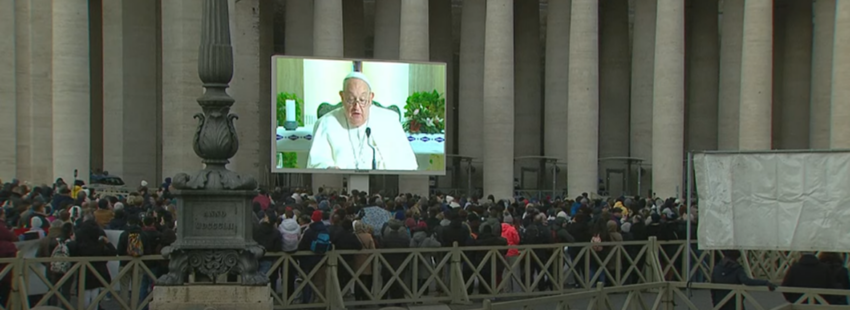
(424, 113)
(290, 159)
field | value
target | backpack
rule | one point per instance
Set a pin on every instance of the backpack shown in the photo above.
(595, 241)
(135, 247)
(60, 251)
(322, 243)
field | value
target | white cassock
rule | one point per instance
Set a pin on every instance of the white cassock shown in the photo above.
(337, 145)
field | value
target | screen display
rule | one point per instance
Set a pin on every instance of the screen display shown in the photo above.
(358, 116)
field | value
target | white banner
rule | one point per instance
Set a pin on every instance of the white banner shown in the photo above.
(774, 201)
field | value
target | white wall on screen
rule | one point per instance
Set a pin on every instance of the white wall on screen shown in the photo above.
(389, 82)
(322, 82)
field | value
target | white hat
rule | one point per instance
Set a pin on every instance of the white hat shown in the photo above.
(359, 76)
(144, 183)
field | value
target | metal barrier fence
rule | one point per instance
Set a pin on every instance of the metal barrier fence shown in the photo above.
(457, 275)
(672, 295)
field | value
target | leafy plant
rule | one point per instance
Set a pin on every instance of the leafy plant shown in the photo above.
(424, 112)
(290, 160)
(281, 108)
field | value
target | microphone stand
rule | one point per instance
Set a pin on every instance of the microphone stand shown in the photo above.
(374, 157)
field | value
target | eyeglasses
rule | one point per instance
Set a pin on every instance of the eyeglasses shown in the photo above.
(362, 102)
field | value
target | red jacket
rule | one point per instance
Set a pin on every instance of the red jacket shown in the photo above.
(510, 234)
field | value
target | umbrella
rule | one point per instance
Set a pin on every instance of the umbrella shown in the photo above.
(375, 217)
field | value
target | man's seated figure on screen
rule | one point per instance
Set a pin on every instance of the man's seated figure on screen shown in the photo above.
(340, 140)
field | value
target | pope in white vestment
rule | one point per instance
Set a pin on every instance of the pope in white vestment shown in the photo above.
(340, 137)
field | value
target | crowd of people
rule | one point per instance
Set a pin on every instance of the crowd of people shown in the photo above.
(70, 220)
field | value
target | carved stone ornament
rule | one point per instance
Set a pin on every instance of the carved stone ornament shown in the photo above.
(215, 139)
(212, 264)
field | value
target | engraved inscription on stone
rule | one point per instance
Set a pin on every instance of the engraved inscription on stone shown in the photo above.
(214, 220)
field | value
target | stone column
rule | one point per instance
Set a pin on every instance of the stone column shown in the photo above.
(527, 79)
(327, 42)
(729, 96)
(556, 85)
(387, 27)
(8, 85)
(299, 27)
(498, 92)
(181, 36)
(778, 69)
(129, 90)
(756, 76)
(22, 93)
(668, 100)
(614, 83)
(703, 61)
(840, 133)
(643, 60)
(414, 46)
(442, 49)
(583, 99)
(251, 86)
(71, 90)
(821, 89)
(41, 68)
(471, 85)
(797, 73)
(354, 29)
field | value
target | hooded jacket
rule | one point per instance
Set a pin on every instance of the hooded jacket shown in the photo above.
(421, 240)
(730, 272)
(510, 234)
(290, 233)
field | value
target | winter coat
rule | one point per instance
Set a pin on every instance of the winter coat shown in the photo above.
(512, 237)
(808, 272)
(421, 240)
(730, 272)
(368, 243)
(94, 249)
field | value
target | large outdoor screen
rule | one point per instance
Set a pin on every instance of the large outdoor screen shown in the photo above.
(358, 116)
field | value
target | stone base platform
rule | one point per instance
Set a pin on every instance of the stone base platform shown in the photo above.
(212, 297)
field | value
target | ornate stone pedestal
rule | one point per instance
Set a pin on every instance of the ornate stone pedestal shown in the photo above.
(212, 297)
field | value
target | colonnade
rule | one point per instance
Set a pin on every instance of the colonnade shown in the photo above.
(672, 77)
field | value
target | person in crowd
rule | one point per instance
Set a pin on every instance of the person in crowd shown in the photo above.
(346, 137)
(842, 279)
(119, 221)
(60, 233)
(345, 239)
(421, 239)
(267, 235)
(807, 272)
(310, 242)
(104, 214)
(7, 250)
(263, 199)
(487, 238)
(90, 241)
(729, 271)
(361, 261)
(394, 236)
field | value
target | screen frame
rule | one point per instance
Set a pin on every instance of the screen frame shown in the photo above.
(273, 106)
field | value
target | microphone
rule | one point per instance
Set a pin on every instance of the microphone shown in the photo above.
(374, 160)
